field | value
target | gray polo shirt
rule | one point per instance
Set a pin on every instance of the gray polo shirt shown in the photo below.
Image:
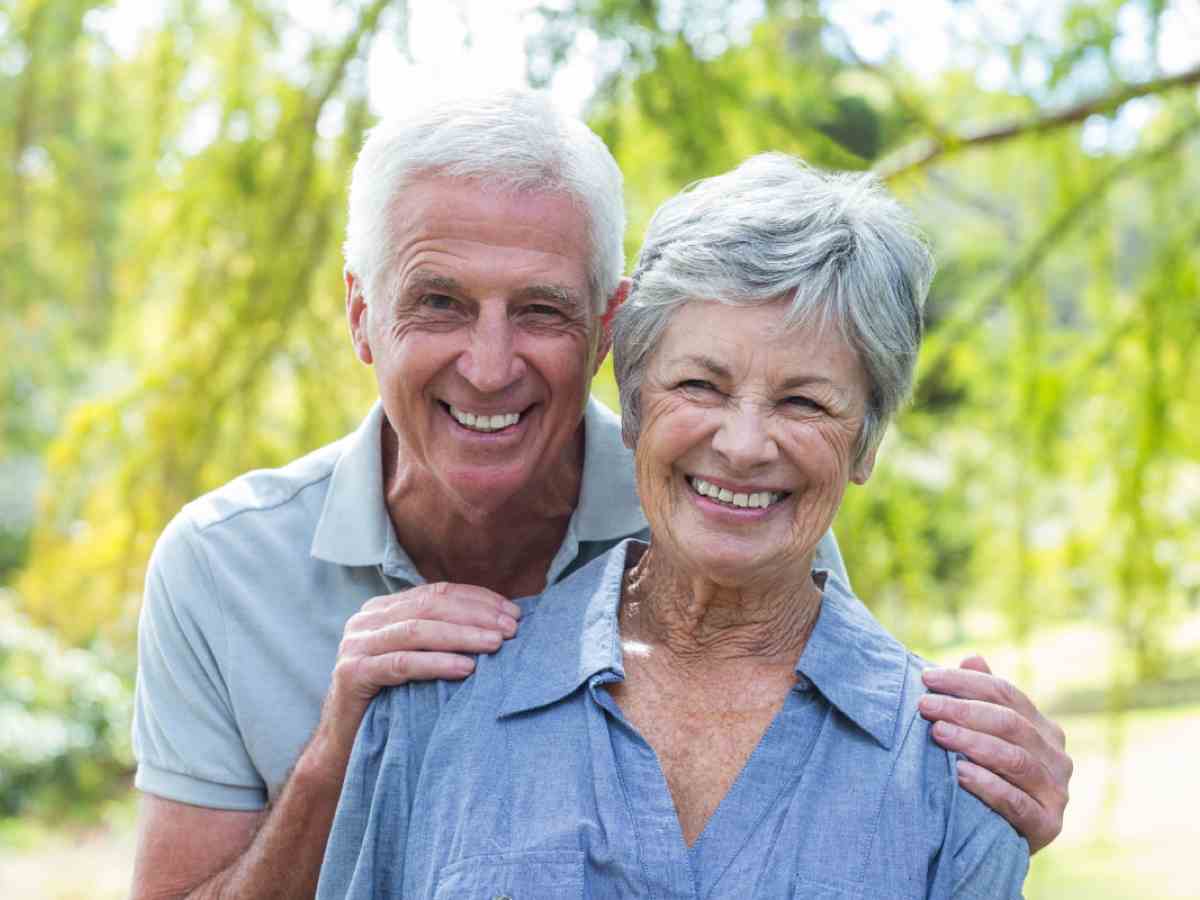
(249, 589)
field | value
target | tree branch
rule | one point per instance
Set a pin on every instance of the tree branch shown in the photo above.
(937, 346)
(923, 152)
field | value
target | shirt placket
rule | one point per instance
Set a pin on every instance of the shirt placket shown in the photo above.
(658, 838)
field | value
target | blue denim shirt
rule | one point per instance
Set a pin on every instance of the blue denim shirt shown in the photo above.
(528, 782)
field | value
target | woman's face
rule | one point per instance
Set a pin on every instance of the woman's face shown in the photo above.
(747, 440)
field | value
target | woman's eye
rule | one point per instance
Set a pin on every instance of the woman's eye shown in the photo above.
(804, 403)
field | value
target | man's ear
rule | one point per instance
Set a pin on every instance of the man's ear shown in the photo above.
(862, 470)
(614, 303)
(357, 316)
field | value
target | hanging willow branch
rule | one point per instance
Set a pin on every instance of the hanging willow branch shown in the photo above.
(921, 153)
(937, 346)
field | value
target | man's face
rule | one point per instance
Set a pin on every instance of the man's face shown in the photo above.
(485, 347)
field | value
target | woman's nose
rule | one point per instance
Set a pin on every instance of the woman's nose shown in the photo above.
(744, 437)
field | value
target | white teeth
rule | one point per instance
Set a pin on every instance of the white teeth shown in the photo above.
(757, 500)
(484, 423)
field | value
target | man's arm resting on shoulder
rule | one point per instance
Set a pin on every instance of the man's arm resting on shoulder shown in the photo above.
(1016, 760)
(414, 635)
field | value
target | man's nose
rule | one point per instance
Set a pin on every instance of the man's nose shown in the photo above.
(744, 437)
(490, 361)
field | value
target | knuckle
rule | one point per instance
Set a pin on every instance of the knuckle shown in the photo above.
(1008, 723)
(407, 630)
(1016, 761)
(401, 667)
(1006, 692)
(421, 602)
(1020, 805)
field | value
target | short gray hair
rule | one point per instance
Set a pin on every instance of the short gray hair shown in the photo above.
(513, 140)
(836, 246)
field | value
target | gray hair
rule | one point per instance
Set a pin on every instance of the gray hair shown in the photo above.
(511, 141)
(837, 247)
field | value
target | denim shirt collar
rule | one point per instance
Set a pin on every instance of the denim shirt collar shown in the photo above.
(855, 664)
(355, 529)
(573, 635)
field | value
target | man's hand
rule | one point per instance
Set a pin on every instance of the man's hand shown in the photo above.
(420, 634)
(1018, 763)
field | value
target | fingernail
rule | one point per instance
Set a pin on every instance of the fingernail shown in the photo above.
(930, 704)
(507, 624)
(944, 729)
(511, 609)
(961, 770)
(931, 676)
(464, 666)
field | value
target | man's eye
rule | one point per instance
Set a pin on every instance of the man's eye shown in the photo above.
(439, 302)
(696, 384)
(543, 309)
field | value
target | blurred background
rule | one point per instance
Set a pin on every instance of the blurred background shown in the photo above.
(171, 315)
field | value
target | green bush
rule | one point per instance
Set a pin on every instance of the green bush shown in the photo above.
(64, 722)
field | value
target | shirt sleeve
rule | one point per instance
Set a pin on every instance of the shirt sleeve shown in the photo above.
(982, 858)
(185, 734)
(364, 856)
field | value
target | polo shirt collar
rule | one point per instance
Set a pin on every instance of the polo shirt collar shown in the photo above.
(573, 635)
(855, 664)
(355, 529)
(608, 499)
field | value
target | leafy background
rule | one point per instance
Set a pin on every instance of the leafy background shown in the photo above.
(170, 316)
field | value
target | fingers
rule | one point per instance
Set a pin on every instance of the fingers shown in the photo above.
(430, 631)
(1037, 824)
(1026, 776)
(462, 604)
(402, 667)
(970, 684)
(976, 717)
(451, 609)
(1011, 761)
(976, 663)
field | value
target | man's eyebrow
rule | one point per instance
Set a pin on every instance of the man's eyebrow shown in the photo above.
(555, 293)
(431, 281)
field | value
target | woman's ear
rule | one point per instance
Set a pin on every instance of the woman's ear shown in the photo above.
(864, 467)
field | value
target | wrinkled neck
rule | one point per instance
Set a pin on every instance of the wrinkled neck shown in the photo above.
(697, 622)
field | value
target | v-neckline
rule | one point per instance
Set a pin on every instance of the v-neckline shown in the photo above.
(783, 747)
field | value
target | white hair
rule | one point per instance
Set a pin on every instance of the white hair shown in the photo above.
(513, 140)
(836, 246)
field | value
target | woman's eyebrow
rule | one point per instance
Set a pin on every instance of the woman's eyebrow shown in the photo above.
(708, 363)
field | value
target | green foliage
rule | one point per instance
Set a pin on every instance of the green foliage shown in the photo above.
(64, 722)
(171, 299)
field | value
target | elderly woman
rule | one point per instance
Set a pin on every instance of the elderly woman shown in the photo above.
(706, 715)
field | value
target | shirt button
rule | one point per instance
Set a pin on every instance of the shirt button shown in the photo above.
(502, 897)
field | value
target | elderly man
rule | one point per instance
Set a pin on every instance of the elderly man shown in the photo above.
(483, 263)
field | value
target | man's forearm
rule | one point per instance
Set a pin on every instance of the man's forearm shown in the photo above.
(284, 858)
